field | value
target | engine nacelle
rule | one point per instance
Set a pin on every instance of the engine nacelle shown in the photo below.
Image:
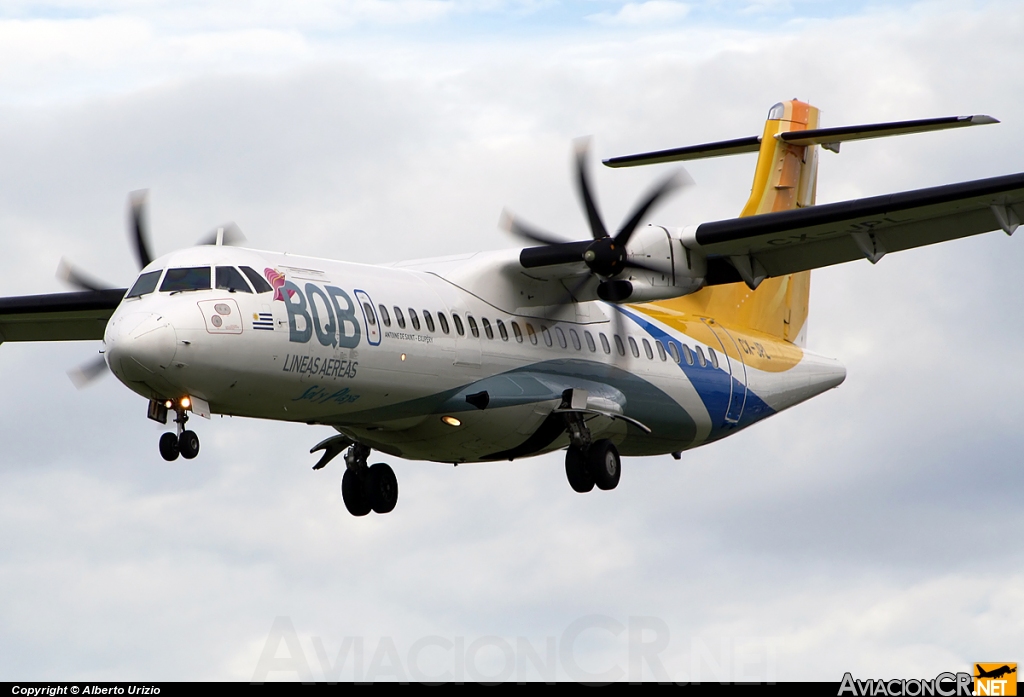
(672, 270)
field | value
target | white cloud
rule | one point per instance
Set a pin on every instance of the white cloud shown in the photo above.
(652, 12)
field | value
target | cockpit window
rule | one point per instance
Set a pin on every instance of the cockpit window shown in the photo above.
(258, 282)
(229, 279)
(193, 278)
(145, 284)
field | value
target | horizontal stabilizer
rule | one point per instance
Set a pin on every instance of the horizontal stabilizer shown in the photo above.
(830, 138)
(690, 152)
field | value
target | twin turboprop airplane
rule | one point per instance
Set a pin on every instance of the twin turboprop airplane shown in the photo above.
(648, 341)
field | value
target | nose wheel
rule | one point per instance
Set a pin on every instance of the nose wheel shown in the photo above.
(184, 442)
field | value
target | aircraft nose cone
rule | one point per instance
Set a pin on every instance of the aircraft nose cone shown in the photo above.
(140, 345)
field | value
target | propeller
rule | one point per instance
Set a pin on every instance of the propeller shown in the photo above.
(138, 235)
(228, 233)
(606, 256)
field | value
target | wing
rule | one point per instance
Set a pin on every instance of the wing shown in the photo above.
(775, 244)
(58, 316)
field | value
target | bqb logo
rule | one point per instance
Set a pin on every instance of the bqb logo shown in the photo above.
(327, 312)
(995, 679)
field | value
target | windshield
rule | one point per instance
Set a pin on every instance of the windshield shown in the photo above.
(145, 284)
(229, 279)
(194, 278)
(258, 282)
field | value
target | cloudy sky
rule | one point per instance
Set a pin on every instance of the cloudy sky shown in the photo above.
(871, 530)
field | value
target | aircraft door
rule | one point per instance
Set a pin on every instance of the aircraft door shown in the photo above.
(737, 370)
(370, 321)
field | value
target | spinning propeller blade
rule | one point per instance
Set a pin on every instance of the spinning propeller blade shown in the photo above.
(229, 234)
(87, 372)
(138, 227)
(606, 256)
(77, 278)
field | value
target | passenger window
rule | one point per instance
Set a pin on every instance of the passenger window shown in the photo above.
(674, 351)
(575, 339)
(647, 349)
(590, 341)
(604, 343)
(458, 324)
(530, 332)
(700, 357)
(487, 328)
(517, 332)
(443, 321)
(194, 278)
(414, 319)
(561, 337)
(687, 355)
(661, 350)
(501, 329)
(634, 349)
(371, 319)
(399, 317)
(713, 356)
(472, 327)
(385, 318)
(257, 281)
(618, 345)
(230, 280)
(429, 319)
(547, 335)
(146, 283)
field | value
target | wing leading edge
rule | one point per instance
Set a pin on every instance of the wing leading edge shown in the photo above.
(775, 244)
(75, 316)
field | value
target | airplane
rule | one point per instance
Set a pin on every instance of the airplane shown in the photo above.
(647, 341)
(995, 673)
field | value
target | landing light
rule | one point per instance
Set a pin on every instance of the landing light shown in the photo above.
(403, 356)
(186, 402)
(451, 421)
(168, 404)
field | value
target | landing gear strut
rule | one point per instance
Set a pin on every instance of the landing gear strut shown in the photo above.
(589, 462)
(365, 488)
(184, 442)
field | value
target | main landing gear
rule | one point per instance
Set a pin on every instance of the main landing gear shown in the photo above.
(590, 462)
(184, 442)
(367, 488)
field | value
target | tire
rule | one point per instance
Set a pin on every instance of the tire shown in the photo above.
(169, 447)
(576, 471)
(352, 494)
(188, 444)
(604, 464)
(381, 488)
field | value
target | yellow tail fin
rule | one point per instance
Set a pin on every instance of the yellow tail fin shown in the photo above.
(785, 178)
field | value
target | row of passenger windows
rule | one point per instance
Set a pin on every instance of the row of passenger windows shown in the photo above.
(199, 278)
(678, 352)
(228, 278)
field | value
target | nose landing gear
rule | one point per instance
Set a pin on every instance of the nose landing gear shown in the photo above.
(367, 488)
(184, 442)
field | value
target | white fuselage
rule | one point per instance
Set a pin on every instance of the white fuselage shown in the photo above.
(336, 343)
